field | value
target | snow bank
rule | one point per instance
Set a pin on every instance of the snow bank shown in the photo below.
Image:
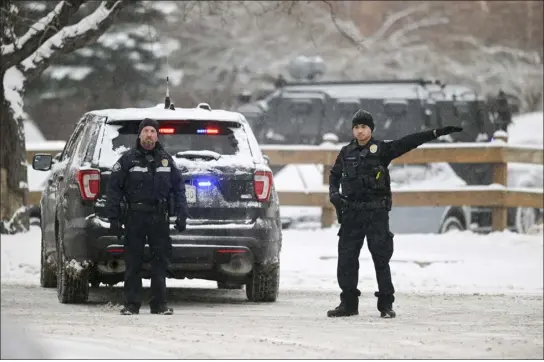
(527, 129)
(458, 262)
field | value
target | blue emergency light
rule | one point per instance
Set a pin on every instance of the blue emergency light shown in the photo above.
(207, 131)
(204, 183)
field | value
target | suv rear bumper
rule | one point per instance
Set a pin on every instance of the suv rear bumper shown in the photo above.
(202, 247)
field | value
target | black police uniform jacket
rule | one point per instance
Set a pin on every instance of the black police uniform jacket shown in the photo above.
(136, 178)
(362, 170)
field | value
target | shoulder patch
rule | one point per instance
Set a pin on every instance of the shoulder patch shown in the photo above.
(116, 167)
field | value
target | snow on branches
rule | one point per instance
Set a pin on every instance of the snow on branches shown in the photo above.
(25, 56)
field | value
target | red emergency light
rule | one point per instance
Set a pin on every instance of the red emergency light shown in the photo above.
(167, 130)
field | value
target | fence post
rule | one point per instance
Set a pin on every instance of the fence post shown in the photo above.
(328, 213)
(499, 214)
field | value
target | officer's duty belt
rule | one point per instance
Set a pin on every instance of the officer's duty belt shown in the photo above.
(147, 207)
(367, 205)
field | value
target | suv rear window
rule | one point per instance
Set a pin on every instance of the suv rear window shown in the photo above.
(224, 138)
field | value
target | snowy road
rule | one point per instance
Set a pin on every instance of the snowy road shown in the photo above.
(211, 323)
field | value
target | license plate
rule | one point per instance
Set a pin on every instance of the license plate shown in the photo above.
(190, 193)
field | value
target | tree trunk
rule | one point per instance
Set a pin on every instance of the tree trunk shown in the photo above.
(14, 186)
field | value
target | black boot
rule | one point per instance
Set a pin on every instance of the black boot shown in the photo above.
(129, 311)
(345, 309)
(385, 305)
(164, 310)
(387, 312)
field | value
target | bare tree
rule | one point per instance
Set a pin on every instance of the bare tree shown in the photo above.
(24, 57)
(249, 43)
(492, 67)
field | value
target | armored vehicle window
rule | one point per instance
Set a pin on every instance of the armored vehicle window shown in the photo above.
(299, 117)
(395, 107)
(344, 112)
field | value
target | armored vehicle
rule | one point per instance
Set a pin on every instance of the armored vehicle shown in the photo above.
(303, 112)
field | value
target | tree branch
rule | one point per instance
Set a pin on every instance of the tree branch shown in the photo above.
(40, 32)
(529, 57)
(391, 21)
(71, 38)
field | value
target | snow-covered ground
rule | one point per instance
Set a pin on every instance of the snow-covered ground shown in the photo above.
(457, 262)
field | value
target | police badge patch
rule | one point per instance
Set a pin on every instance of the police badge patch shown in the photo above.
(116, 167)
(164, 162)
(373, 148)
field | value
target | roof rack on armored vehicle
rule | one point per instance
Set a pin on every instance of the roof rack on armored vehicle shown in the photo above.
(420, 81)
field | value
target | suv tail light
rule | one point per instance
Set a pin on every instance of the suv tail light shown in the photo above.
(262, 182)
(89, 183)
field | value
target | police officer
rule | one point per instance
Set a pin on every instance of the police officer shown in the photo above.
(363, 209)
(145, 177)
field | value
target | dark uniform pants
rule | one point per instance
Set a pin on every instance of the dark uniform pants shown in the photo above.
(356, 225)
(151, 228)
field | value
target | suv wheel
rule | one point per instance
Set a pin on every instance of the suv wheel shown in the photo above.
(71, 287)
(526, 219)
(451, 223)
(264, 283)
(222, 285)
(48, 278)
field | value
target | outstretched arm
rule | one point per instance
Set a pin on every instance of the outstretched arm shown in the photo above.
(405, 144)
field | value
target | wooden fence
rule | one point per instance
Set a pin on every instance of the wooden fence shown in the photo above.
(496, 196)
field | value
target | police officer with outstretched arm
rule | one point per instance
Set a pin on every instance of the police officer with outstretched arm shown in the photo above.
(145, 177)
(363, 209)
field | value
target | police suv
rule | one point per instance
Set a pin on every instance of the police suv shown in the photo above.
(233, 233)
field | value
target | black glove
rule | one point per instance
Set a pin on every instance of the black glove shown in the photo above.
(116, 228)
(447, 130)
(181, 224)
(336, 200)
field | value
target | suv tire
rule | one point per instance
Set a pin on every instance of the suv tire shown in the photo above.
(48, 278)
(70, 288)
(264, 283)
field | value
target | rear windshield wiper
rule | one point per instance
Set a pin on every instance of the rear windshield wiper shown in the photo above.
(206, 154)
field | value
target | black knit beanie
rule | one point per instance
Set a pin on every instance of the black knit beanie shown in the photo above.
(362, 117)
(148, 122)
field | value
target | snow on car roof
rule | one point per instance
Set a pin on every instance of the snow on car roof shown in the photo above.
(159, 113)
